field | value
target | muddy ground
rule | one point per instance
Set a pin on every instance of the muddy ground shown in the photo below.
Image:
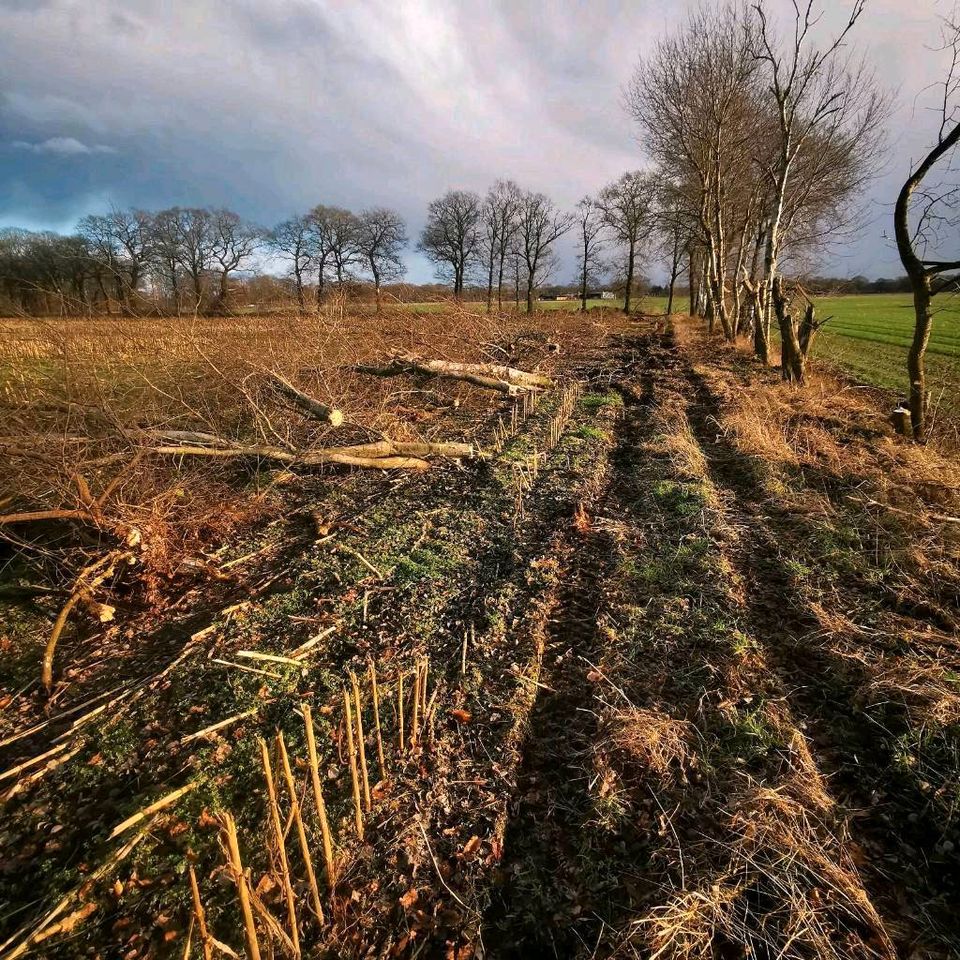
(692, 691)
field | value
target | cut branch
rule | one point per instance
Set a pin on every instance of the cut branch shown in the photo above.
(316, 409)
(490, 376)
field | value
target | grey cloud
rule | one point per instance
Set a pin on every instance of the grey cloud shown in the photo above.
(271, 106)
(62, 146)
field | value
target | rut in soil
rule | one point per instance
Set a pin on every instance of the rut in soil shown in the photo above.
(890, 817)
(560, 873)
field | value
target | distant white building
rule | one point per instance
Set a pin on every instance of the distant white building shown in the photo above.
(607, 295)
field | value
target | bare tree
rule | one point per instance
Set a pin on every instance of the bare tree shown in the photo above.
(590, 224)
(167, 258)
(819, 97)
(123, 240)
(341, 238)
(321, 220)
(921, 228)
(381, 236)
(673, 225)
(195, 240)
(539, 225)
(498, 223)
(627, 205)
(451, 238)
(696, 100)
(294, 240)
(233, 243)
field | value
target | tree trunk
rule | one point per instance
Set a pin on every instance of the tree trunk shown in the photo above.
(920, 281)
(320, 279)
(376, 283)
(530, 290)
(490, 281)
(915, 359)
(793, 362)
(674, 270)
(298, 280)
(631, 257)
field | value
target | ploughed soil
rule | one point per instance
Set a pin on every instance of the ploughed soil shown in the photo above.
(686, 649)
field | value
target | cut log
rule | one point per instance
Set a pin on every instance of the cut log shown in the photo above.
(519, 378)
(313, 458)
(390, 448)
(316, 409)
(490, 376)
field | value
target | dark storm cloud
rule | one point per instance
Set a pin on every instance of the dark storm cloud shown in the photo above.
(271, 106)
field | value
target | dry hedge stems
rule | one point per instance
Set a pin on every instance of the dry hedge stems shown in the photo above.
(85, 401)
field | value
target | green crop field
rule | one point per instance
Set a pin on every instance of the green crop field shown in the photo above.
(870, 335)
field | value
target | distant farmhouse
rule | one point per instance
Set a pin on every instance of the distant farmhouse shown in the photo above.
(591, 295)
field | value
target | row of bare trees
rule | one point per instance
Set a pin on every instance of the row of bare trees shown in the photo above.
(185, 258)
(762, 142)
(510, 234)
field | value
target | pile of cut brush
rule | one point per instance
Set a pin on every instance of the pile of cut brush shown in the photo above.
(110, 537)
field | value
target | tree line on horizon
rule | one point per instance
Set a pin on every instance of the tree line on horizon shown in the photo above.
(185, 259)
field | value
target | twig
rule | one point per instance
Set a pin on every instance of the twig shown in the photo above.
(298, 821)
(348, 719)
(240, 880)
(278, 839)
(376, 718)
(318, 797)
(154, 807)
(361, 743)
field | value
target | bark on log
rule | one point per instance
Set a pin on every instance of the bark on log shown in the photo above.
(520, 378)
(385, 448)
(316, 409)
(490, 376)
(383, 454)
(310, 458)
(197, 437)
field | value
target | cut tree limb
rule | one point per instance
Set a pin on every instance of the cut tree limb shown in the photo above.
(381, 455)
(316, 409)
(491, 376)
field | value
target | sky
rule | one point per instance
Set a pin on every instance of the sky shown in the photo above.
(269, 107)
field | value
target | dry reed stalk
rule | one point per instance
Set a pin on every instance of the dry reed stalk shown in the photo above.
(13, 771)
(318, 797)
(415, 720)
(348, 720)
(361, 744)
(277, 824)
(154, 807)
(25, 782)
(271, 657)
(214, 727)
(200, 916)
(305, 648)
(400, 708)
(240, 880)
(240, 666)
(376, 718)
(423, 689)
(298, 822)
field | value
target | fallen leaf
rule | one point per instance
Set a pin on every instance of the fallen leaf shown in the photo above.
(462, 716)
(409, 898)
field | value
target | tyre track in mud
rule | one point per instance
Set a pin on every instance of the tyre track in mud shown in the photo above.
(559, 875)
(887, 816)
